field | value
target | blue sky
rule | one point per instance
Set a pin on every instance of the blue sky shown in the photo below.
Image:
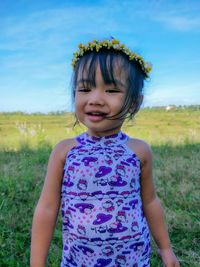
(38, 38)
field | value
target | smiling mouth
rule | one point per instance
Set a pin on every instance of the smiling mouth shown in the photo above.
(96, 114)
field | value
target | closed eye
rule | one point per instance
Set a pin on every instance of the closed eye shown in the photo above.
(113, 91)
(84, 90)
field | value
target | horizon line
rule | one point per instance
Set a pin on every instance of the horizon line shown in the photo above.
(166, 107)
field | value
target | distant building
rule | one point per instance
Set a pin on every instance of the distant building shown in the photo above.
(170, 107)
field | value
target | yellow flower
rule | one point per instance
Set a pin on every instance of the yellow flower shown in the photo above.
(97, 48)
(80, 45)
(114, 41)
(115, 44)
(131, 57)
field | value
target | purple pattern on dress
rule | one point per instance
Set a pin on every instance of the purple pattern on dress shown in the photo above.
(103, 220)
(88, 160)
(83, 207)
(103, 171)
(102, 262)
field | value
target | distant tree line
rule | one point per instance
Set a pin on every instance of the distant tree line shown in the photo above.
(169, 107)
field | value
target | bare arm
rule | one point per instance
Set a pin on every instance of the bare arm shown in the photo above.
(152, 207)
(46, 211)
(151, 203)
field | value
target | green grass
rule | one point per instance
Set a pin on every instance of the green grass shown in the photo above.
(175, 140)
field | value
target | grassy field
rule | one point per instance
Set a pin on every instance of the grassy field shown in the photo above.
(25, 145)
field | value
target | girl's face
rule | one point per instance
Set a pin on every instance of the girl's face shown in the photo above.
(93, 104)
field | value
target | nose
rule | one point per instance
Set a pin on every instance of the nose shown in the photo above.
(96, 98)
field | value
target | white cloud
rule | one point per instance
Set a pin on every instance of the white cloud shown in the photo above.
(176, 15)
(38, 46)
(180, 23)
(68, 21)
(178, 94)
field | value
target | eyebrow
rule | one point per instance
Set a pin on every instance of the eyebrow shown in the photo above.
(116, 81)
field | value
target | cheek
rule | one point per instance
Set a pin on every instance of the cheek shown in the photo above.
(77, 106)
(118, 102)
(76, 98)
(77, 101)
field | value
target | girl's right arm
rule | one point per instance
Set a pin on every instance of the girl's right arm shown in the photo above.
(46, 211)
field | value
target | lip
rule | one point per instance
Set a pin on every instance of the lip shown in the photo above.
(96, 111)
(95, 118)
(95, 115)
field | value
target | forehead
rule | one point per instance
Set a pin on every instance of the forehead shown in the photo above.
(108, 71)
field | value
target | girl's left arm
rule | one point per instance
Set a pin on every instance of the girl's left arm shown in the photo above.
(153, 209)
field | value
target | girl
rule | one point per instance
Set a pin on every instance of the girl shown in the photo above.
(102, 179)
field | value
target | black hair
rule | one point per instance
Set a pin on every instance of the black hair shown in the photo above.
(108, 60)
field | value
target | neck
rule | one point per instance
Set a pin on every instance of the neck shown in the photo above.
(103, 133)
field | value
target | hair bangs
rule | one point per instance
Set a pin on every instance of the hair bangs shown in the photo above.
(85, 70)
(114, 67)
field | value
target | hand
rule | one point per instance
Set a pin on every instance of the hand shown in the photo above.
(168, 258)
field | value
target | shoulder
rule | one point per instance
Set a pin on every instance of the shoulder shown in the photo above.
(62, 148)
(141, 149)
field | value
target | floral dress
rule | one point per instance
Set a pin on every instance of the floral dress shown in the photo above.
(103, 220)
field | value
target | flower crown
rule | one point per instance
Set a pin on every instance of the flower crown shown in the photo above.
(114, 44)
